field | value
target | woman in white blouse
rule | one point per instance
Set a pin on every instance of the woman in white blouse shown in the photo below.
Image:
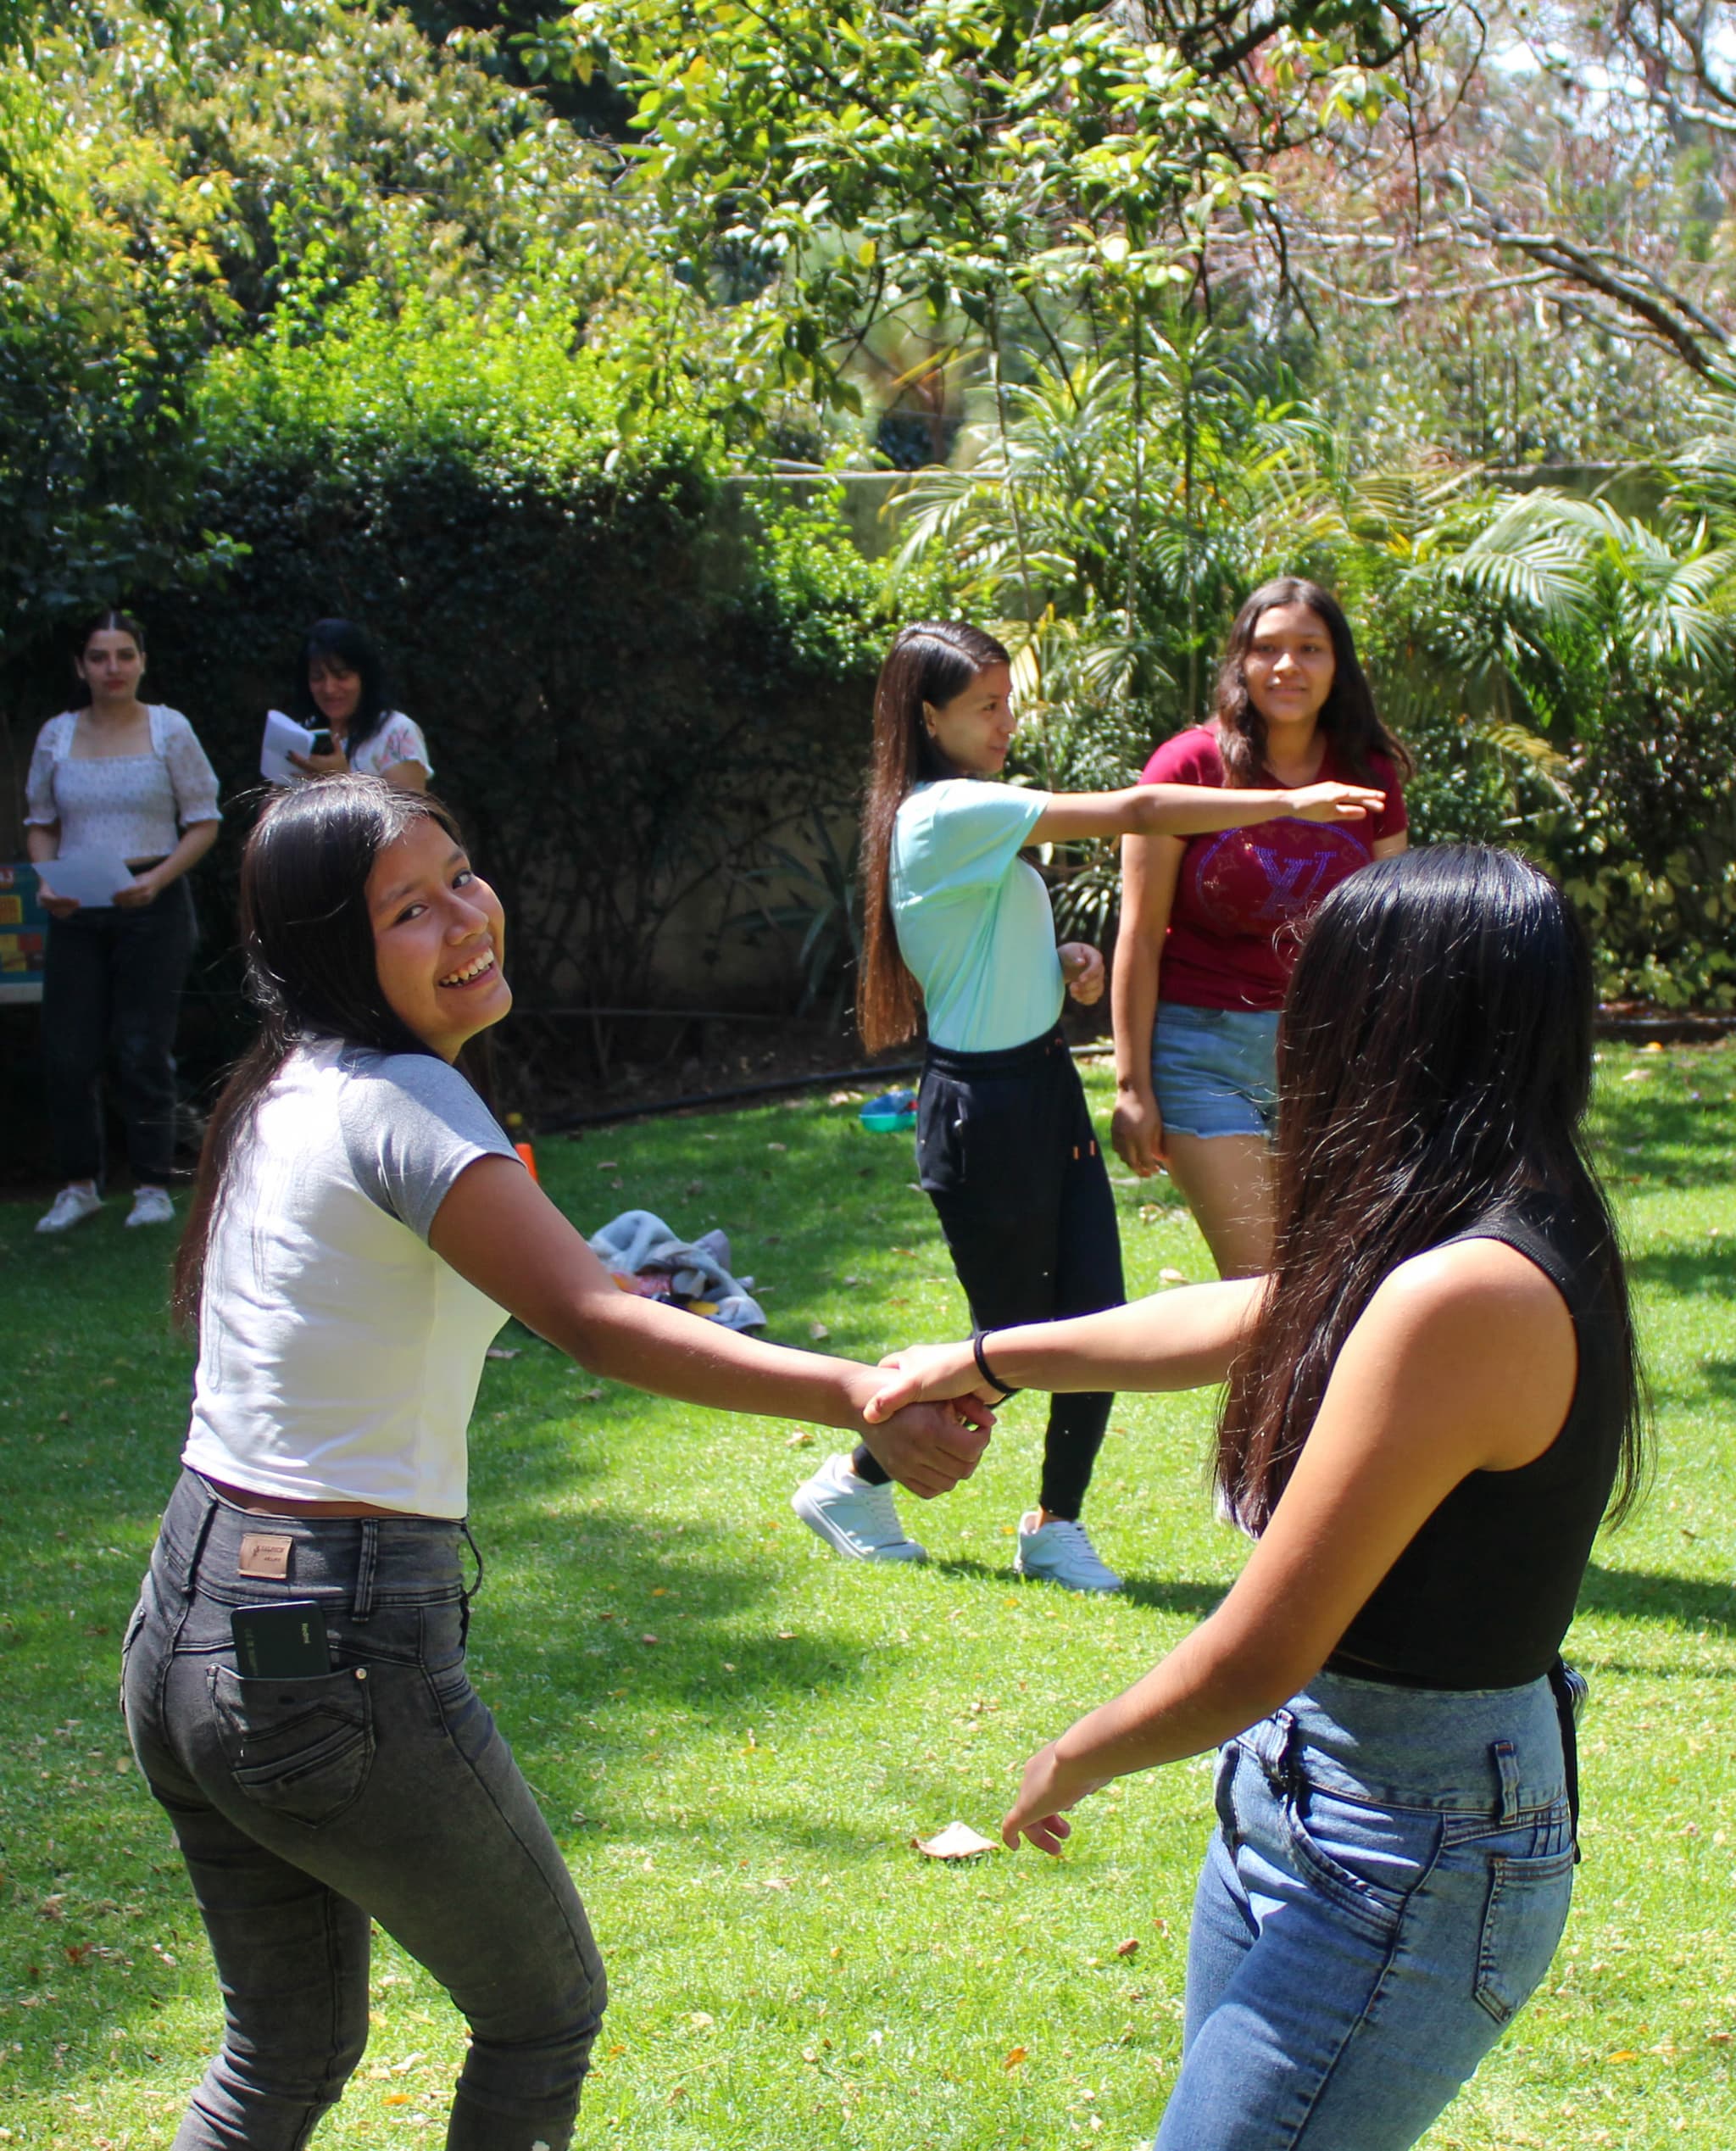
(129, 779)
(341, 689)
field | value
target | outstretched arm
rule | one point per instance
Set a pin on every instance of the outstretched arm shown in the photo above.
(1181, 1340)
(1194, 809)
(499, 1230)
(1464, 1361)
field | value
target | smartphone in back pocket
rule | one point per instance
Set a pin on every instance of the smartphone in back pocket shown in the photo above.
(285, 1641)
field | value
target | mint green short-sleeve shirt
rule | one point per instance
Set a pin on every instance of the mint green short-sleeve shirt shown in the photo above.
(973, 918)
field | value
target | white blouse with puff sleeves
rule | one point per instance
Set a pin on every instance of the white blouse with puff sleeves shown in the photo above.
(135, 805)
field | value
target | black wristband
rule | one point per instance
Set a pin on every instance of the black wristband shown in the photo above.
(985, 1370)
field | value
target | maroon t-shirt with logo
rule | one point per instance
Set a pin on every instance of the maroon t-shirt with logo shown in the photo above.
(1240, 889)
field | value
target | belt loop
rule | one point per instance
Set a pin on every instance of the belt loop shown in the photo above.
(1283, 1772)
(1507, 1765)
(367, 1560)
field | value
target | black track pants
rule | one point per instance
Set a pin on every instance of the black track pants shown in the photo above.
(1010, 1160)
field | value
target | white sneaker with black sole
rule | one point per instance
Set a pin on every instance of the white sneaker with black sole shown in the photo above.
(861, 1520)
(70, 1207)
(1060, 1552)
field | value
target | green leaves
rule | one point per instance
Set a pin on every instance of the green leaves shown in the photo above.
(952, 153)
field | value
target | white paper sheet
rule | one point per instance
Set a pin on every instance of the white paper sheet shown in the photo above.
(283, 736)
(92, 878)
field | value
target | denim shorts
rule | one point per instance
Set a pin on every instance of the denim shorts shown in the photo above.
(1386, 1888)
(1215, 1070)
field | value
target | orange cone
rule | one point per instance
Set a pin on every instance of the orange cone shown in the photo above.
(529, 1156)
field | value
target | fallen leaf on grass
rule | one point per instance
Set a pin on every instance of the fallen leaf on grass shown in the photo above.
(1015, 2056)
(1622, 2053)
(503, 1352)
(818, 1330)
(647, 1639)
(590, 1396)
(1173, 1277)
(801, 1438)
(777, 1146)
(958, 1841)
(701, 2021)
(1127, 1948)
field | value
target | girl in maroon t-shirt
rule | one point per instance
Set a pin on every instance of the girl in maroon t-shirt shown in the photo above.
(1205, 955)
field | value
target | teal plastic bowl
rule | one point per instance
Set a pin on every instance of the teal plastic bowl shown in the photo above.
(887, 1123)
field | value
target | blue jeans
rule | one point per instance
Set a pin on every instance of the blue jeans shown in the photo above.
(1386, 1886)
(1214, 1071)
(307, 1808)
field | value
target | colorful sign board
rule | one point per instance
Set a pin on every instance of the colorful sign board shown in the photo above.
(24, 927)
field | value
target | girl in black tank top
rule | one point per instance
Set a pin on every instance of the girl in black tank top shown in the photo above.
(1431, 1406)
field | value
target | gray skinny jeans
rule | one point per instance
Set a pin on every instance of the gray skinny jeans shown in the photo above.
(306, 1808)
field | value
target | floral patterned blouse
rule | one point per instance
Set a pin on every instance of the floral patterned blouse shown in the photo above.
(399, 739)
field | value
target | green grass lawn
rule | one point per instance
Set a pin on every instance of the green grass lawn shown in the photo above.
(735, 1735)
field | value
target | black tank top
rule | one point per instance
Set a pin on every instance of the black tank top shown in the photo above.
(1484, 1593)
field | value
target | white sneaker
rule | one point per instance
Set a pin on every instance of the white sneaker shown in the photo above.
(70, 1207)
(860, 1519)
(151, 1206)
(1061, 1553)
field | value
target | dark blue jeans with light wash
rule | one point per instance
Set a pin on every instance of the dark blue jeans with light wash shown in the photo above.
(1389, 1880)
(381, 1790)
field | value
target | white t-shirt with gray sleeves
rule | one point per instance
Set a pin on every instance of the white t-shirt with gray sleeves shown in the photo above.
(339, 1357)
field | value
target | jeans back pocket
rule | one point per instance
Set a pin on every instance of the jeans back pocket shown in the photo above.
(1523, 1915)
(298, 1748)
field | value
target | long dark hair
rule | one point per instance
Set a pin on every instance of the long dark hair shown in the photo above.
(934, 662)
(110, 622)
(310, 967)
(1434, 1062)
(355, 649)
(1349, 718)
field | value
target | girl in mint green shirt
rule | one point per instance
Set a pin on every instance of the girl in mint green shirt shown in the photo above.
(958, 926)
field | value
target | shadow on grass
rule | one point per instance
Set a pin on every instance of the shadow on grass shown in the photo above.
(1636, 1594)
(1707, 1269)
(1671, 1140)
(1161, 1595)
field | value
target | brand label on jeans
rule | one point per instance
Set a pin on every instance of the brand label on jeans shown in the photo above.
(262, 1555)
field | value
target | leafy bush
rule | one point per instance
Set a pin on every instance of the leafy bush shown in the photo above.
(630, 681)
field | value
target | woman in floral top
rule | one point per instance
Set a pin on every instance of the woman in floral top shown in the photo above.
(341, 690)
